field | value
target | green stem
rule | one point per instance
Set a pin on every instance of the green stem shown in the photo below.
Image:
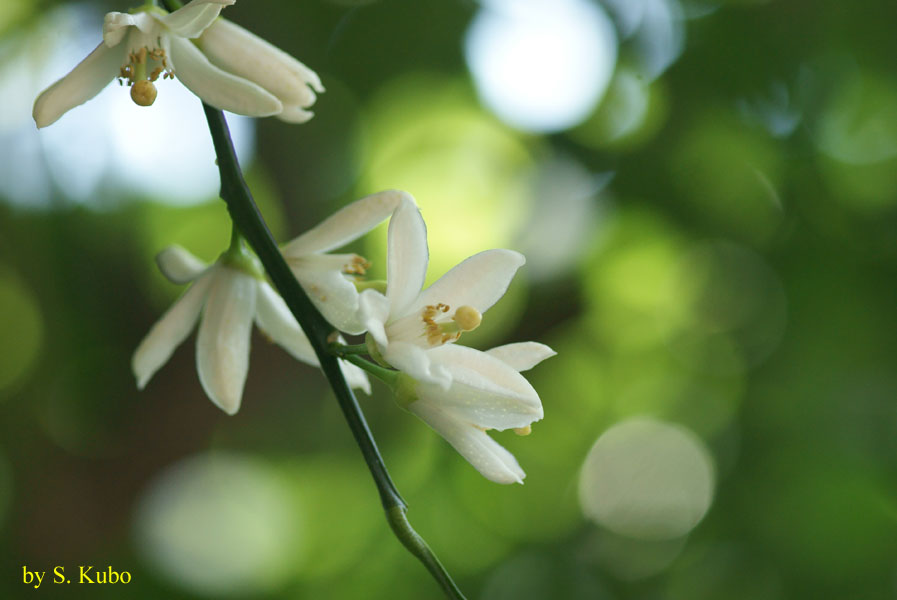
(388, 376)
(347, 349)
(246, 216)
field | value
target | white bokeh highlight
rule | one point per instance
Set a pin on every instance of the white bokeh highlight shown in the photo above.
(218, 524)
(647, 480)
(541, 65)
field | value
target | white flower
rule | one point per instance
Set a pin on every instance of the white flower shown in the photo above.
(139, 48)
(486, 392)
(407, 323)
(229, 298)
(327, 278)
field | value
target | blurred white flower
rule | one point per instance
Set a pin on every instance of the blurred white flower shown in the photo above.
(246, 75)
(328, 279)
(407, 323)
(230, 295)
(486, 392)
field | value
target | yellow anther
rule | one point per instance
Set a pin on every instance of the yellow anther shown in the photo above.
(523, 430)
(467, 317)
(143, 93)
(357, 266)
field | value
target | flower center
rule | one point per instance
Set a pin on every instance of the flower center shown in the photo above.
(466, 318)
(143, 92)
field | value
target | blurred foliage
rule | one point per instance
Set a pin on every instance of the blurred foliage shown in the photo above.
(723, 243)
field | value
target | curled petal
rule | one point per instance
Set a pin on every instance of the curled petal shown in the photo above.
(485, 454)
(522, 356)
(348, 223)
(406, 257)
(480, 281)
(222, 346)
(169, 331)
(246, 55)
(192, 19)
(277, 322)
(117, 25)
(83, 83)
(216, 87)
(484, 391)
(178, 265)
(295, 114)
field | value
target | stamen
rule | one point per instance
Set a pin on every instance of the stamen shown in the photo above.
(143, 92)
(357, 266)
(466, 318)
(435, 332)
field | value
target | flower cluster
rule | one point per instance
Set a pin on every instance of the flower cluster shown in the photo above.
(459, 391)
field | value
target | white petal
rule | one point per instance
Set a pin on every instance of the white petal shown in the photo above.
(276, 321)
(480, 281)
(246, 55)
(484, 390)
(194, 17)
(485, 454)
(169, 331)
(373, 311)
(83, 83)
(415, 361)
(216, 87)
(222, 346)
(348, 223)
(295, 114)
(355, 377)
(331, 292)
(178, 265)
(522, 356)
(406, 257)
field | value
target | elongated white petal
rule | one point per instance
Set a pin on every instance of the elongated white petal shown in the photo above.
(178, 265)
(406, 257)
(295, 114)
(485, 454)
(331, 292)
(480, 281)
(373, 311)
(216, 87)
(222, 346)
(484, 390)
(193, 18)
(246, 55)
(355, 377)
(416, 362)
(347, 224)
(83, 83)
(169, 331)
(277, 322)
(522, 356)
(117, 25)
